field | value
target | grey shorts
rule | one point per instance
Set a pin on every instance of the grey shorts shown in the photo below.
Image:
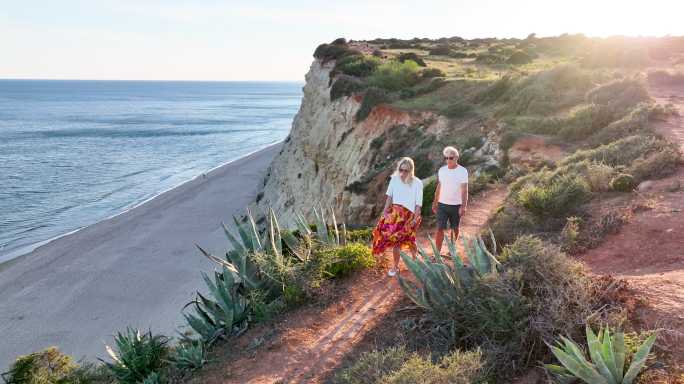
(448, 213)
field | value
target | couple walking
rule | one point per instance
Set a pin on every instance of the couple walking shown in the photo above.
(401, 215)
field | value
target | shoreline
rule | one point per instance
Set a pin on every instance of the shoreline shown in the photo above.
(27, 249)
(137, 268)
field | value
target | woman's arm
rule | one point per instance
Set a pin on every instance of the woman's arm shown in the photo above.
(388, 202)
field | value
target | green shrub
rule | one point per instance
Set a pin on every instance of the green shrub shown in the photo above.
(440, 50)
(622, 183)
(519, 57)
(490, 58)
(458, 110)
(374, 96)
(356, 65)
(362, 235)
(430, 85)
(394, 76)
(370, 367)
(49, 366)
(619, 153)
(619, 95)
(495, 91)
(345, 86)
(411, 56)
(428, 197)
(327, 52)
(655, 165)
(455, 368)
(511, 221)
(344, 260)
(136, 355)
(432, 72)
(599, 177)
(561, 197)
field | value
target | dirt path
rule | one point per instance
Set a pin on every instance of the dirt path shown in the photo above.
(306, 345)
(649, 250)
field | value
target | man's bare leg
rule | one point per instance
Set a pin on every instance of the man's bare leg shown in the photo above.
(439, 239)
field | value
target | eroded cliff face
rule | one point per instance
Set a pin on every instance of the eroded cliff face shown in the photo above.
(331, 160)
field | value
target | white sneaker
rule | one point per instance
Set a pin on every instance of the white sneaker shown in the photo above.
(392, 272)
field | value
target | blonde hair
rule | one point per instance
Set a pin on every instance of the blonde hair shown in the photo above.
(411, 173)
(450, 150)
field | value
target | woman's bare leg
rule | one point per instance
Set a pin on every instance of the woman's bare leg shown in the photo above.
(395, 255)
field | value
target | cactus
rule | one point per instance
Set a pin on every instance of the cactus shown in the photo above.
(607, 359)
(440, 284)
(190, 356)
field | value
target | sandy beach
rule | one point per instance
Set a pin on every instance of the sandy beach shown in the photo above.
(135, 269)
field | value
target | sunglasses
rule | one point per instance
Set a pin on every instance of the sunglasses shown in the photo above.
(449, 157)
(403, 170)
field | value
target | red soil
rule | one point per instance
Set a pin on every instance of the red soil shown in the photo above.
(307, 344)
(649, 250)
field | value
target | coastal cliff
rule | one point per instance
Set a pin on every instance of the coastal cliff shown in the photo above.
(333, 159)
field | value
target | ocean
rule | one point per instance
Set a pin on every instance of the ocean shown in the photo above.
(75, 152)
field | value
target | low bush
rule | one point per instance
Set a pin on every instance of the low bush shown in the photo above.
(429, 73)
(137, 355)
(622, 183)
(356, 65)
(458, 110)
(413, 57)
(349, 258)
(619, 153)
(495, 91)
(49, 366)
(619, 95)
(370, 367)
(455, 368)
(519, 57)
(655, 165)
(511, 221)
(490, 58)
(394, 75)
(440, 50)
(560, 197)
(428, 198)
(327, 52)
(362, 235)
(345, 85)
(599, 176)
(374, 96)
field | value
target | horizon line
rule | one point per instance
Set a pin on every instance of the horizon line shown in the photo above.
(149, 80)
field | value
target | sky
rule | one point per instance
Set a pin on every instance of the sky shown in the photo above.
(274, 40)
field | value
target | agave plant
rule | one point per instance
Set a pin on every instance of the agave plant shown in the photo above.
(607, 354)
(224, 314)
(441, 284)
(137, 355)
(190, 356)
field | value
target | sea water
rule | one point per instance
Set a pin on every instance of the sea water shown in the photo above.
(75, 152)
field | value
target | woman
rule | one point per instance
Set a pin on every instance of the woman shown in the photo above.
(397, 227)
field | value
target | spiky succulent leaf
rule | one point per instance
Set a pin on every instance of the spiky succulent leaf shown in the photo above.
(595, 346)
(580, 369)
(639, 359)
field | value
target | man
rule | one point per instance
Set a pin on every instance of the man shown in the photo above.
(451, 196)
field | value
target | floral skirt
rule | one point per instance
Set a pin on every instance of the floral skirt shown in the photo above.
(395, 229)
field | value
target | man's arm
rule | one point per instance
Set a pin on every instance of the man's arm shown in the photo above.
(436, 198)
(464, 198)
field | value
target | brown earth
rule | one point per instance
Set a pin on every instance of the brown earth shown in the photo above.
(305, 345)
(648, 251)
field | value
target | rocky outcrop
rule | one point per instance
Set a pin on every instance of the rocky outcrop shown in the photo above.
(331, 159)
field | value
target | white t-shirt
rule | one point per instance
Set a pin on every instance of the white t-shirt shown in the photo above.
(406, 195)
(450, 181)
